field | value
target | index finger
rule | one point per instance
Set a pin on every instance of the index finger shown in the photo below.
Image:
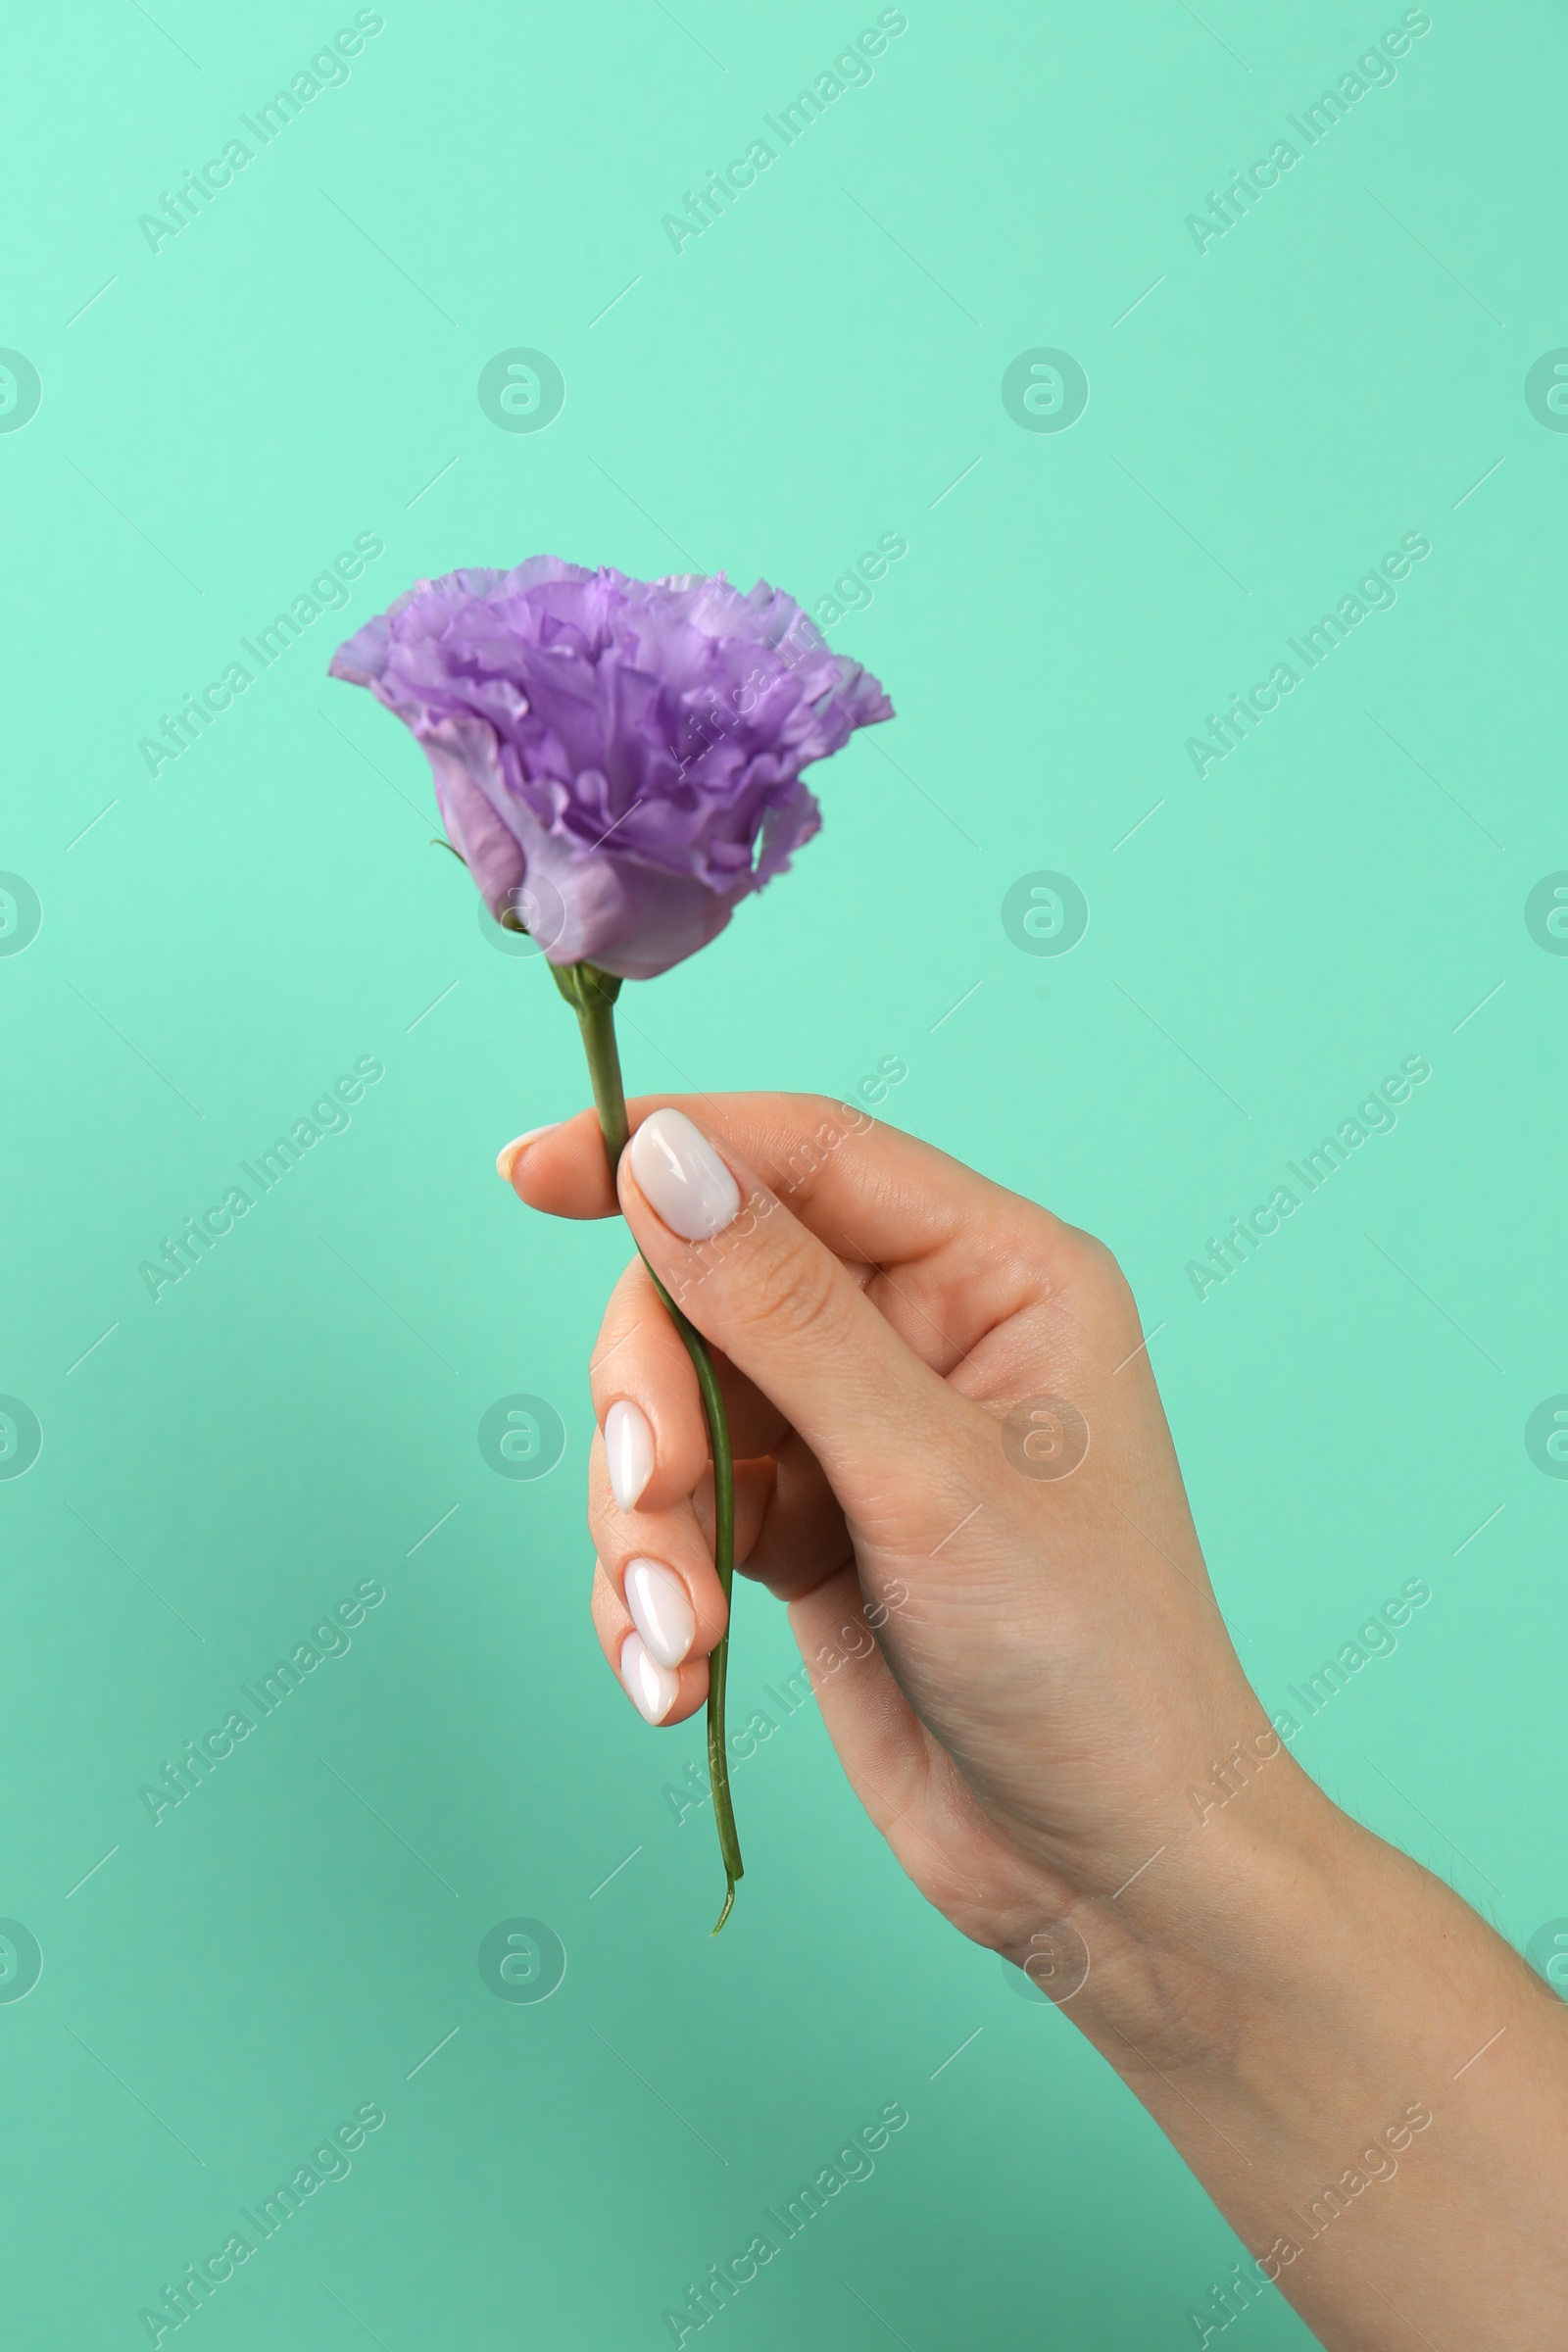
(872, 1192)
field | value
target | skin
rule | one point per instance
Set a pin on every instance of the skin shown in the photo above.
(1030, 1687)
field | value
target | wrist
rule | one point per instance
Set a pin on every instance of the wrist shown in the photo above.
(1181, 1962)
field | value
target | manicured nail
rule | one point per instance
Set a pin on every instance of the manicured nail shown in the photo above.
(629, 1452)
(509, 1154)
(683, 1178)
(650, 1687)
(660, 1610)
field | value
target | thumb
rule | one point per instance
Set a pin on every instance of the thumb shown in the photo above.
(784, 1310)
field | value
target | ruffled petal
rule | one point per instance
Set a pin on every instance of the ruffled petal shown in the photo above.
(633, 747)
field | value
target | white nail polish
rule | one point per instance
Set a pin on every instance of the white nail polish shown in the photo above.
(629, 1452)
(650, 1687)
(682, 1177)
(660, 1610)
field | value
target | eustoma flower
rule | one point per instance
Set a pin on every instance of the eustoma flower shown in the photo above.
(618, 765)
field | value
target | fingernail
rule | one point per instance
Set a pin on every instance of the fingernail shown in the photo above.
(682, 1176)
(509, 1154)
(650, 1687)
(660, 1610)
(629, 1452)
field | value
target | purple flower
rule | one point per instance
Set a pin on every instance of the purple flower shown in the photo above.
(618, 761)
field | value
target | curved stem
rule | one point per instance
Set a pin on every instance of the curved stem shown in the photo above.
(592, 996)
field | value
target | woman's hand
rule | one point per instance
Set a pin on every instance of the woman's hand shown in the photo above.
(952, 1464)
(943, 1414)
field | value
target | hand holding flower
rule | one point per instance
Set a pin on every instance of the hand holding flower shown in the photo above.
(1021, 1664)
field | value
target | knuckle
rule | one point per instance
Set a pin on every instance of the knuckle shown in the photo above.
(793, 1288)
(1106, 1299)
(820, 1126)
(1094, 1266)
(1105, 1269)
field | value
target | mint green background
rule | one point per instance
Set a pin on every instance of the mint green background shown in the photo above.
(232, 1984)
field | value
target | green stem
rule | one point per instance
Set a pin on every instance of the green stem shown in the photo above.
(595, 1007)
(592, 995)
